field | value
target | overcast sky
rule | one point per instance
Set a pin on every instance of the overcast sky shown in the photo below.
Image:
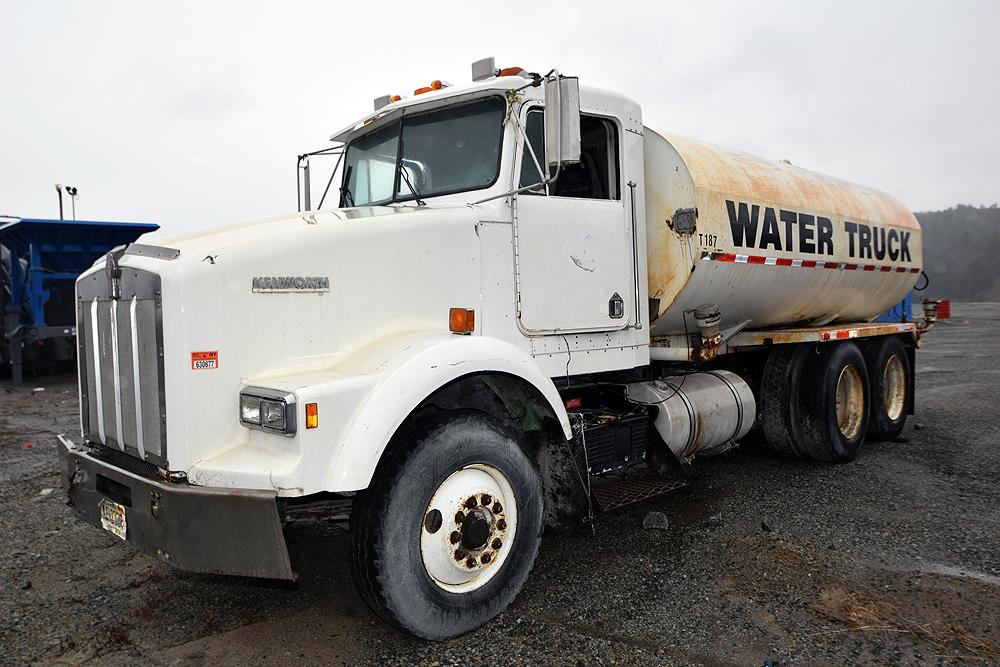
(190, 114)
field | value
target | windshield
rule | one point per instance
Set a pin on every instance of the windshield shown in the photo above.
(448, 150)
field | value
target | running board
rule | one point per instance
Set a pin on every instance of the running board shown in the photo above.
(610, 492)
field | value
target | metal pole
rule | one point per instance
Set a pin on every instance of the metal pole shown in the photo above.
(635, 259)
(16, 359)
(306, 186)
(59, 190)
(12, 318)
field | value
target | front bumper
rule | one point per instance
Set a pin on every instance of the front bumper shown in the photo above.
(196, 528)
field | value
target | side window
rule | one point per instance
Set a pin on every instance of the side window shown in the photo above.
(594, 177)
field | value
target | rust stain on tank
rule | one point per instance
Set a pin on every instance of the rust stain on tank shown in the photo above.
(734, 173)
(682, 173)
(696, 436)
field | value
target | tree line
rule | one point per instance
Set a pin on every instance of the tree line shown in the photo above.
(962, 252)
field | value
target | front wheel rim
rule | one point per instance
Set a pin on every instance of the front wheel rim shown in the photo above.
(850, 402)
(468, 528)
(894, 388)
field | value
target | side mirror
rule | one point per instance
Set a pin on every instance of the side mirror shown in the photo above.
(562, 120)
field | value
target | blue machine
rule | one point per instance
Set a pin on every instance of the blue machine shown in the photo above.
(901, 312)
(39, 263)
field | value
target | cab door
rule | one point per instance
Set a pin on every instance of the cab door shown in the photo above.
(572, 239)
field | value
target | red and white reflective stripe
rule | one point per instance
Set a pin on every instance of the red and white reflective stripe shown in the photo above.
(839, 334)
(802, 263)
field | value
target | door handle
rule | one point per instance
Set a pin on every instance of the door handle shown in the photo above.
(616, 307)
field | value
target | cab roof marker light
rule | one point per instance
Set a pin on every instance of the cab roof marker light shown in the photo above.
(384, 101)
(436, 84)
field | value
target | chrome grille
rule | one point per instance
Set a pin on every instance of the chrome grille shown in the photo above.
(120, 347)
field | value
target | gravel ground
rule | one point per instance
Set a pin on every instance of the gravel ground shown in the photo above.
(892, 559)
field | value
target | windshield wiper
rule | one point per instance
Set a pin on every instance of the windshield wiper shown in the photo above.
(416, 195)
(345, 192)
(401, 171)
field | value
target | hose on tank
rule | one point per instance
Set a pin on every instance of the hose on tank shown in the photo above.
(677, 389)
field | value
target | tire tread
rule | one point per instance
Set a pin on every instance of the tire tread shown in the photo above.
(779, 396)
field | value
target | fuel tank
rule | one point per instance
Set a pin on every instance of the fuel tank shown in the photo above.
(699, 411)
(767, 241)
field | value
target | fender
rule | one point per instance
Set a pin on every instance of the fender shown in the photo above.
(363, 397)
(419, 365)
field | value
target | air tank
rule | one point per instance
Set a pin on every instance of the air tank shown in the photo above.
(767, 241)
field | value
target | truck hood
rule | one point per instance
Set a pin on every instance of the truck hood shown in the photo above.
(238, 233)
(297, 294)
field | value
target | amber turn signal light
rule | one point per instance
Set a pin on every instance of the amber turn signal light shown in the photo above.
(312, 415)
(461, 320)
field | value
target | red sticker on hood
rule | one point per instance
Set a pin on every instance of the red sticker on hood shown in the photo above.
(203, 361)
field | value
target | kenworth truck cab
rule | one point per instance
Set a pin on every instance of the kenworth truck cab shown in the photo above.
(524, 302)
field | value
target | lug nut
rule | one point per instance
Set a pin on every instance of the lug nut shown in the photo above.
(471, 502)
(471, 562)
(486, 558)
(502, 525)
(455, 537)
(460, 555)
(497, 543)
(497, 507)
(459, 517)
(486, 500)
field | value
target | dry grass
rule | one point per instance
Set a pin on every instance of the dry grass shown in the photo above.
(866, 614)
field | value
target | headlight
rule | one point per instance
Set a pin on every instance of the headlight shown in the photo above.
(268, 410)
(273, 414)
(250, 409)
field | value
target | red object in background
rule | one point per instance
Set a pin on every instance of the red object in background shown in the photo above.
(944, 309)
(573, 403)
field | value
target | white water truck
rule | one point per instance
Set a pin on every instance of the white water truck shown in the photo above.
(527, 307)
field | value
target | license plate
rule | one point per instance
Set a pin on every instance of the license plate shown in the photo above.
(113, 518)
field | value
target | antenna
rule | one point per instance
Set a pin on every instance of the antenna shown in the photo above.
(72, 192)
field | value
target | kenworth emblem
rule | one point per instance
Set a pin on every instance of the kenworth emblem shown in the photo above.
(291, 284)
(114, 274)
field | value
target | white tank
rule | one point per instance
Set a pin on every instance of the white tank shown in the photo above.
(768, 241)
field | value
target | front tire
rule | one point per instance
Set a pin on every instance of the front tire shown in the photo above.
(448, 531)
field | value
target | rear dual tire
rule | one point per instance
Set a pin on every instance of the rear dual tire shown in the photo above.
(835, 404)
(814, 401)
(890, 376)
(778, 411)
